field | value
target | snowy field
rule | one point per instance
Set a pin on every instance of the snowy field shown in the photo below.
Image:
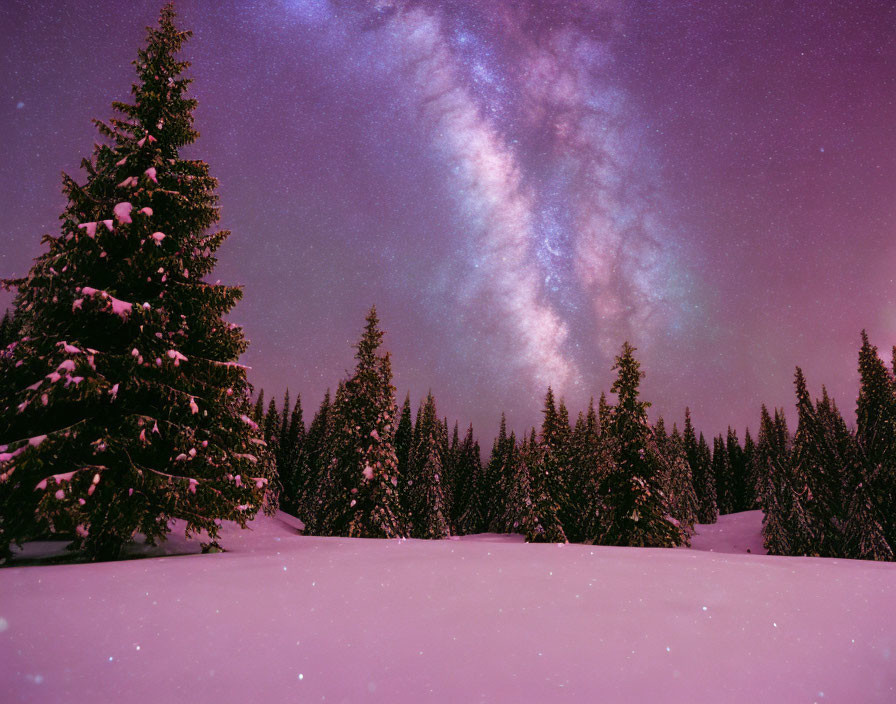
(287, 618)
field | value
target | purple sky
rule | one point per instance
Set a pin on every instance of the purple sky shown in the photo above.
(518, 185)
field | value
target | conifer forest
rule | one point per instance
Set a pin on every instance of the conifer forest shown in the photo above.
(481, 422)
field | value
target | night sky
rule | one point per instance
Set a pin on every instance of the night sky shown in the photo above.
(518, 185)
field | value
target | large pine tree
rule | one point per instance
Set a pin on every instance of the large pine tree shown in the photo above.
(132, 410)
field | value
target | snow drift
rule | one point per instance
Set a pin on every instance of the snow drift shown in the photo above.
(286, 618)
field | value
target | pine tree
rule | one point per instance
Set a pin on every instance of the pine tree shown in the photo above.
(593, 464)
(496, 481)
(289, 463)
(138, 404)
(426, 493)
(638, 510)
(698, 457)
(876, 445)
(738, 471)
(258, 408)
(749, 483)
(551, 468)
(680, 481)
(314, 463)
(468, 468)
(519, 501)
(474, 513)
(361, 500)
(452, 477)
(721, 471)
(773, 471)
(541, 520)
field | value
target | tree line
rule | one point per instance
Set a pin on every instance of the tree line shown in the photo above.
(610, 477)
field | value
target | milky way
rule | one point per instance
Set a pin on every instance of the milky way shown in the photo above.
(519, 186)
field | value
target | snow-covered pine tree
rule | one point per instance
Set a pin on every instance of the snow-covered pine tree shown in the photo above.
(594, 464)
(749, 472)
(361, 497)
(876, 438)
(451, 476)
(638, 510)
(468, 468)
(137, 411)
(576, 477)
(258, 408)
(680, 488)
(551, 466)
(721, 471)
(271, 427)
(500, 477)
(519, 511)
(543, 524)
(474, 513)
(289, 462)
(772, 471)
(737, 471)
(697, 453)
(313, 462)
(495, 479)
(426, 500)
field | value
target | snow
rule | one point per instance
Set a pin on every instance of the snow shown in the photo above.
(123, 212)
(485, 618)
(119, 307)
(735, 533)
(89, 228)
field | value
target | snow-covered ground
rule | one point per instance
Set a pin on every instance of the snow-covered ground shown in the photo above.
(286, 618)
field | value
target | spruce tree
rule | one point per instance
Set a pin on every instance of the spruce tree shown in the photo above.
(518, 506)
(721, 470)
(680, 481)
(361, 498)
(137, 411)
(593, 464)
(474, 513)
(697, 453)
(427, 514)
(551, 467)
(749, 483)
(468, 467)
(289, 465)
(876, 443)
(775, 495)
(738, 471)
(314, 462)
(638, 510)
(542, 519)
(496, 481)
(258, 408)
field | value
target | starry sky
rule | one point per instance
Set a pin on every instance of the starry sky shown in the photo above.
(518, 185)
